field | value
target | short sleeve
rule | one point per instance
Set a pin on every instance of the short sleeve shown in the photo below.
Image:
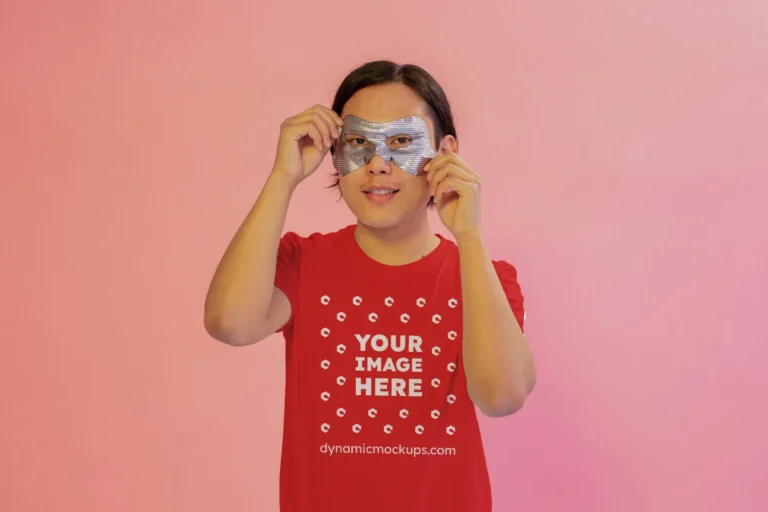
(508, 277)
(287, 270)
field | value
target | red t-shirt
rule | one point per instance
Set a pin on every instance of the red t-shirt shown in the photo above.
(377, 414)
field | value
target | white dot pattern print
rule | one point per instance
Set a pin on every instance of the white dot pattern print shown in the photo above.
(417, 368)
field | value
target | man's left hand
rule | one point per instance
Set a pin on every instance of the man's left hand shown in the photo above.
(456, 191)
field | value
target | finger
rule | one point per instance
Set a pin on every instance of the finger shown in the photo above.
(321, 109)
(446, 159)
(332, 120)
(320, 123)
(324, 110)
(449, 185)
(338, 121)
(299, 131)
(450, 170)
(435, 176)
(317, 137)
(436, 162)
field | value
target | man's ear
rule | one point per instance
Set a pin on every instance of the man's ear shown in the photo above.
(448, 143)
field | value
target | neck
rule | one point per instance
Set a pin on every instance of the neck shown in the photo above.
(398, 245)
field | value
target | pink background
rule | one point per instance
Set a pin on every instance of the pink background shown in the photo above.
(624, 150)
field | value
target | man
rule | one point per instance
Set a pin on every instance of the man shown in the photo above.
(393, 334)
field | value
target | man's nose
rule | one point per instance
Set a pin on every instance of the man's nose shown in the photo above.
(377, 165)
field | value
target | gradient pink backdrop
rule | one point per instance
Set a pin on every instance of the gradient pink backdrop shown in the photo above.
(624, 150)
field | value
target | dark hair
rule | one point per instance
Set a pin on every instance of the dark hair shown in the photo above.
(385, 72)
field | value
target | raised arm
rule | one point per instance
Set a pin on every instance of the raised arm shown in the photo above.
(242, 305)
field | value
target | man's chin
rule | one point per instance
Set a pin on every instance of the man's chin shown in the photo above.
(378, 217)
(379, 221)
(387, 220)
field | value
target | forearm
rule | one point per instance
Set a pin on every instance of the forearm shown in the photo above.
(497, 360)
(241, 290)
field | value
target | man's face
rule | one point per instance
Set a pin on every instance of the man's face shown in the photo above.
(379, 193)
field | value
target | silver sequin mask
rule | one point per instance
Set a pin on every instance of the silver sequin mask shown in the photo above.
(350, 156)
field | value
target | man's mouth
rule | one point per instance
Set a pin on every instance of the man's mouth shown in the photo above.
(382, 191)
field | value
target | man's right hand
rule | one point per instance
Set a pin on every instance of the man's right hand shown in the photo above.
(304, 141)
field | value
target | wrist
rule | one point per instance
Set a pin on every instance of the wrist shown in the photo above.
(282, 179)
(469, 237)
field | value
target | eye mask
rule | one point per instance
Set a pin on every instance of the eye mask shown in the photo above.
(349, 157)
